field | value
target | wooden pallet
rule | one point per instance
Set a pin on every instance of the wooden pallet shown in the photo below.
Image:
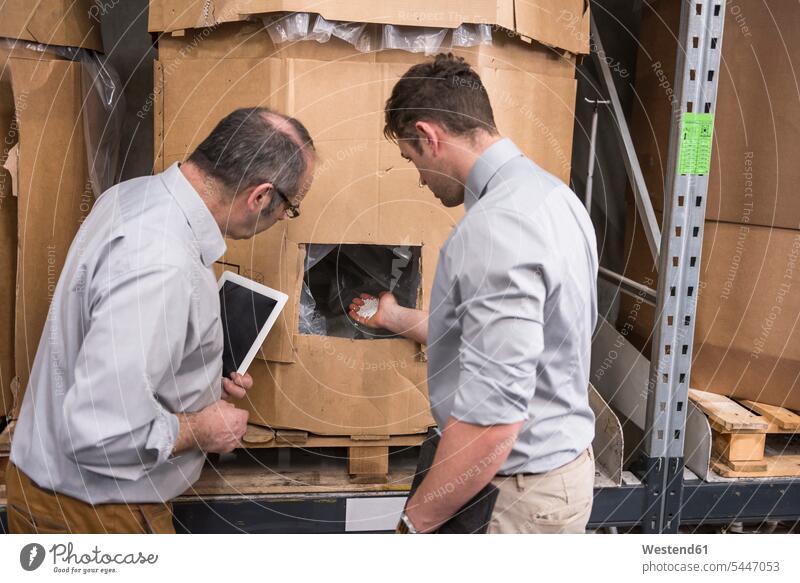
(368, 455)
(5, 451)
(5, 439)
(740, 429)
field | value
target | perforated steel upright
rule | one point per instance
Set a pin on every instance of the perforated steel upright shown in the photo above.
(695, 91)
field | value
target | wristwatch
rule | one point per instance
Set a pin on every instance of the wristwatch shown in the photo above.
(406, 526)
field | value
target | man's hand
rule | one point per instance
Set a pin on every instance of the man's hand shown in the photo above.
(393, 317)
(218, 428)
(383, 318)
(467, 459)
(237, 386)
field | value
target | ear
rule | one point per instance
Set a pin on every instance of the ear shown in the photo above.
(259, 196)
(431, 135)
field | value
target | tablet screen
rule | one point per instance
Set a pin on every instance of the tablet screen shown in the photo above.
(244, 313)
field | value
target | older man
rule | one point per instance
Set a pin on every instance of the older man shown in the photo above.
(126, 395)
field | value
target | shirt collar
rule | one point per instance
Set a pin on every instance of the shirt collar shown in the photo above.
(205, 229)
(486, 166)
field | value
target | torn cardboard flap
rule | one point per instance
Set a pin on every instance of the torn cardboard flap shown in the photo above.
(11, 165)
(557, 23)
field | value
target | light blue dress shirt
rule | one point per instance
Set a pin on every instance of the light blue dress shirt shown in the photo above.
(133, 336)
(513, 308)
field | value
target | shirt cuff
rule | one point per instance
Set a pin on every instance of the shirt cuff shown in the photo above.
(162, 437)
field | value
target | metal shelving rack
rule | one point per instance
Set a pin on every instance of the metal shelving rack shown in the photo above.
(666, 499)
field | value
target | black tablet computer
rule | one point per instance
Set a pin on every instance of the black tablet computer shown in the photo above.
(248, 310)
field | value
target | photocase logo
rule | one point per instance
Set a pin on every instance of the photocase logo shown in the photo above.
(31, 556)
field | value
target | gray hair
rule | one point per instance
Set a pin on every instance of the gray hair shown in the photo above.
(247, 148)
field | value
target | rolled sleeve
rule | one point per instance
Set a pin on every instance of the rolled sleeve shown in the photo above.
(502, 290)
(113, 422)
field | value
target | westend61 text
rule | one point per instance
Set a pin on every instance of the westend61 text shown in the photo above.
(675, 550)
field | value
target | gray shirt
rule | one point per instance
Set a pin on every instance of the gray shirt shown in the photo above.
(513, 307)
(133, 336)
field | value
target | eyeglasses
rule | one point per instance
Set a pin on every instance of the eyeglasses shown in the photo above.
(292, 210)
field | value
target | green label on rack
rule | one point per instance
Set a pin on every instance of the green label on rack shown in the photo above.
(695, 153)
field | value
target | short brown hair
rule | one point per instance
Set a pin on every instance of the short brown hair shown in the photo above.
(447, 91)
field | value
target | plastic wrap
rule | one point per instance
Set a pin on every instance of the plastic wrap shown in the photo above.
(311, 321)
(102, 120)
(295, 26)
(413, 39)
(355, 33)
(287, 28)
(470, 35)
(316, 253)
(101, 109)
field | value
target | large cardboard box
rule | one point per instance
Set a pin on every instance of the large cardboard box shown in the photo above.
(754, 171)
(211, 62)
(8, 253)
(44, 191)
(747, 332)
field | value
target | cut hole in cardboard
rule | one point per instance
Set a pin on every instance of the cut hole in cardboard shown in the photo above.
(335, 274)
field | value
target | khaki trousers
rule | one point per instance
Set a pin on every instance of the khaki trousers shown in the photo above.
(32, 510)
(559, 501)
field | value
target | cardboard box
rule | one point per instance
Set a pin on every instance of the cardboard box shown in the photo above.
(66, 23)
(754, 172)
(8, 248)
(44, 193)
(747, 335)
(364, 192)
(747, 338)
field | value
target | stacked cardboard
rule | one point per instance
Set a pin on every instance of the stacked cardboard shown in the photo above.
(44, 191)
(747, 340)
(213, 61)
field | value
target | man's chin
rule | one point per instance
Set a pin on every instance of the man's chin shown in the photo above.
(449, 202)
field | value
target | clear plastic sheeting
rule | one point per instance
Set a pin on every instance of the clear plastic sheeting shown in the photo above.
(413, 39)
(297, 26)
(470, 35)
(290, 28)
(316, 253)
(102, 120)
(335, 274)
(354, 33)
(101, 109)
(311, 321)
